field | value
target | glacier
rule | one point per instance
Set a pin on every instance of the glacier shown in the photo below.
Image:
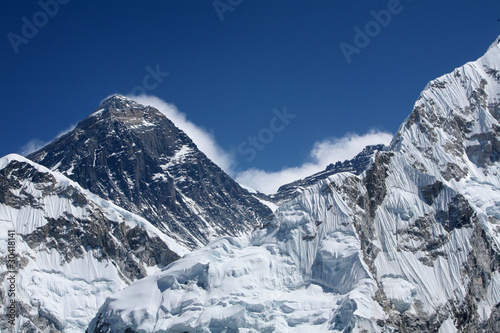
(411, 243)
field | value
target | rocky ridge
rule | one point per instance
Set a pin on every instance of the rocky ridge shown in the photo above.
(73, 249)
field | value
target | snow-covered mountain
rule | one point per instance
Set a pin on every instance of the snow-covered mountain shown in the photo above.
(73, 249)
(408, 244)
(140, 196)
(134, 156)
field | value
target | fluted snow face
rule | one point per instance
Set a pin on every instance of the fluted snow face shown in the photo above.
(303, 270)
(453, 129)
(411, 243)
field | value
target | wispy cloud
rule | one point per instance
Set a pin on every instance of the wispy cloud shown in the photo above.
(36, 144)
(31, 146)
(68, 129)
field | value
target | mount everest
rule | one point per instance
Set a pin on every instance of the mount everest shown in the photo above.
(119, 197)
(134, 156)
(113, 219)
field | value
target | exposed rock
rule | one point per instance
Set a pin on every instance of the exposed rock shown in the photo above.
(459, 214)
(64, 223)
(133, 155)
(430, 192)
(482, 261)
(487, 151)
(357, 165)
(375, 181)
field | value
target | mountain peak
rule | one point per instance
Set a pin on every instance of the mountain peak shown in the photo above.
(119, 102)
(135, 156)
(456, 120)
(115, 97)
(126, 111)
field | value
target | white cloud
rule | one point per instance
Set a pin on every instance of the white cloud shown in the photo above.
(67, 130)
(201, 137)
(323, 153)
(32, 146)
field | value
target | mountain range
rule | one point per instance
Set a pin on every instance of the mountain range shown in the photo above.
(124, 225)
(122, 195)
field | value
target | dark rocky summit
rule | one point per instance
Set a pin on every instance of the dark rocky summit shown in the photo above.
(134, 156)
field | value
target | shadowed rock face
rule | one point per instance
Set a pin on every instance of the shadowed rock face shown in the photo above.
(430, 192)
(487, 151)
(72, 236)
(134, 156)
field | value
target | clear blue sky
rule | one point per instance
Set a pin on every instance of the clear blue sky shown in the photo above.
(228, 75)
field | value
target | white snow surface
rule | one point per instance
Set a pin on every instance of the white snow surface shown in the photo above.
(69, 292)
(262, 281)
(306, 269)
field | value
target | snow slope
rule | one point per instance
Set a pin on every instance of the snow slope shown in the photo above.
(409, 244)
(73, 248)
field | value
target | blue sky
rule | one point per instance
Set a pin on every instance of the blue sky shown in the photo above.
(231, 69)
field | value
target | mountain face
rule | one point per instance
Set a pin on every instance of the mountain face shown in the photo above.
(72, 248)
(134, 156)
(408, 242)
